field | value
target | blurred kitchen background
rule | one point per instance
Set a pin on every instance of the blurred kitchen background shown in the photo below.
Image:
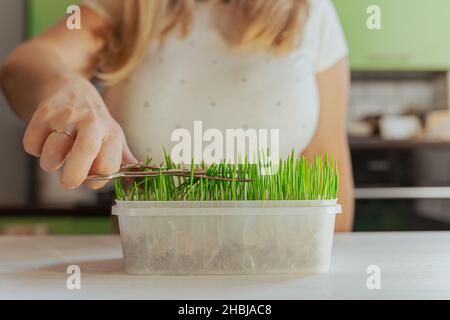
(399, 125)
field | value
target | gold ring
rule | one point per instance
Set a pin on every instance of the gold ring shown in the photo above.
(67, 133)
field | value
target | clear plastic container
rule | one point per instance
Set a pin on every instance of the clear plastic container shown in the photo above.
(226, 237)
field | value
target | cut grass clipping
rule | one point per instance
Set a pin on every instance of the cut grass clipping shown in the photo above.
(293, 179)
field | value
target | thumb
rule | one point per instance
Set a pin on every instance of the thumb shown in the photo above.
(127, 155)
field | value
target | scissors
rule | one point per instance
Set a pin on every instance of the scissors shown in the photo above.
(142, 171)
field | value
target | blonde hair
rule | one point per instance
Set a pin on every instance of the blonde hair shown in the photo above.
(270, 25)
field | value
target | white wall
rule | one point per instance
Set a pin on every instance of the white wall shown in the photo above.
(13, 161)
(375, 97)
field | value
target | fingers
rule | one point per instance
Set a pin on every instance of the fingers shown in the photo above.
(93, 154)
(98, 148)
(108, 161)
(55, 151)
(99, 145)
(36, 133)
(82, 156)
(41, 125)
(127, 155)
(113, 154)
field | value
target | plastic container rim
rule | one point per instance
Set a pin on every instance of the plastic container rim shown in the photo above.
(226, 208)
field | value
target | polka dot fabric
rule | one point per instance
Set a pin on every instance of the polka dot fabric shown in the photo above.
(201, 78)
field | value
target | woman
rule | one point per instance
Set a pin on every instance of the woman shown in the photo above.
(272, 64)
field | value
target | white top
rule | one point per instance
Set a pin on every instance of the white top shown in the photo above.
(412, 266)
(200, 78)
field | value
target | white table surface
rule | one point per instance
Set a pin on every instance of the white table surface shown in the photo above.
(413, 265)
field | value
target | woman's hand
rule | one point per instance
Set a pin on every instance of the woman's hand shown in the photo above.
(46, 80)
(96, 143)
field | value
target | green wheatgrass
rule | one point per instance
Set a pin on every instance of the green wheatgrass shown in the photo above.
(294, 179)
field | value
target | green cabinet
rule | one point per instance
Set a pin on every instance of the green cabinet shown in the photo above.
(414, 35)
(44, 13)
